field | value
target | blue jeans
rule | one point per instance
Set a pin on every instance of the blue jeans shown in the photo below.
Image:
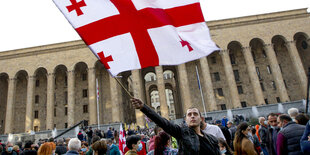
(264, 149)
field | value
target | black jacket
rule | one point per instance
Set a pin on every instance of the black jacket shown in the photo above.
(271, 144)
(188, 140)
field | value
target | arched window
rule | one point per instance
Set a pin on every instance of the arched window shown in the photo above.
(168, 74)
(150, 77)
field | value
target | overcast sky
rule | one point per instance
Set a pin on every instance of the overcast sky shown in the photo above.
(28, 23)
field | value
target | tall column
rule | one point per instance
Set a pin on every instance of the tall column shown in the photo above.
(184, 88)
(162, 92)
(258, 93)
(29, 104)
(71, 97)
(10, 106)
(276, 72)
(208, 87)
(116, 100)
(138, 93)
(50, 101)
(234, 96)
(92, 97)
(297, 63)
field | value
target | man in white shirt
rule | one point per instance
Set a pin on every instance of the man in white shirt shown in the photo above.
(212, 129)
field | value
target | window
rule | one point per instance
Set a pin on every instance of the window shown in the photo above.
(36, 114)
(240, 90)
(232, 59)
(66, 111)
(304, 45)
(254, 56)
(55, 126)
(266, 101)
(236, 74)
(66, 97)
(264, 53)
(36, 100)
(37, 83)
(223, 106)
(66, 125)
(258, 73)
(269, 69)
(243, 104)
(85, 108)
(213, 60)
(273, 85)
(220, 92)
(84, 92)
(84, 77)
(280, 68)
(262, 86)
(55, 112)
(86, 123)
(278, 99)
(217, 76)
(66, 81)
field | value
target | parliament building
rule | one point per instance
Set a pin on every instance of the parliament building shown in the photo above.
(264, 59)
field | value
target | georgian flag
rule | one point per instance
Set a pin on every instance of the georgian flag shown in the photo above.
(134, 34)
(122, 139)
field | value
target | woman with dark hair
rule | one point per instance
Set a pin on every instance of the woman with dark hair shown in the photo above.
(224, 148)
(242, 144)
(301, 119)
(162, 141)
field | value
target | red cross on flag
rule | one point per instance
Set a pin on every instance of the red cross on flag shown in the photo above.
(134, 34)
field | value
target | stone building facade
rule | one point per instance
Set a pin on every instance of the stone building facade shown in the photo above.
(264, 60)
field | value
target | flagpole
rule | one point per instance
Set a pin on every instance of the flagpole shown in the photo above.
(200, 88)
(98, 118)
(123, 87)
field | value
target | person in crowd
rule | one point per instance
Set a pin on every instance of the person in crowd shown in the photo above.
(232, 130)
(224, 121)
(293, 112)
(28, 150)
(60, 147)
(162, 142)
(133, 143)
(99, 147)
(211, 129)
(84, 148)
(262, 131)
(113, 149)
(80, 136)
(74, 146)
(256, 143)
(224, 147)
(288, 140)
(9, 149)
(16, 149)
(242, 144)
(191, 139)
(89, 133)
(151, 143)
(301, 119)
(1, 148)
(110, 133)
(224, 130)
(90, 150)
(47, 148)
(305, 140)
(272, 135)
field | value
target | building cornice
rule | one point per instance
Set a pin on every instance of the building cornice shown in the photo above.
(45, 49)
(258, 19)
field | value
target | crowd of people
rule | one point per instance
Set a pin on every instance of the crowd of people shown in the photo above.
(276, 134)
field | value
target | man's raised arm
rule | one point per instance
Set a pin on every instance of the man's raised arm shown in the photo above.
(172, 129)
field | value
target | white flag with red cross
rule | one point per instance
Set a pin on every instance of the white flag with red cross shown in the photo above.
(134, 34)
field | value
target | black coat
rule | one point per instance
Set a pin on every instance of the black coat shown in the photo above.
(188, 140)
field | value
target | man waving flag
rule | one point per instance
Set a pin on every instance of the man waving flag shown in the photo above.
(134, 34)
